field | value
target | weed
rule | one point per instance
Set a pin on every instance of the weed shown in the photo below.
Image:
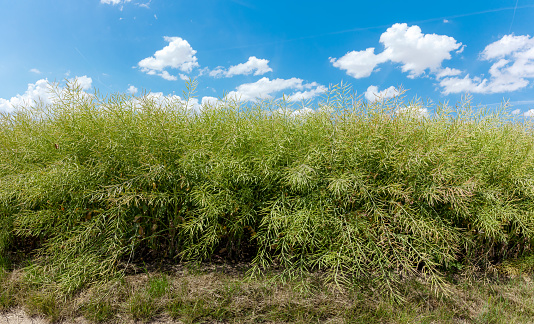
(189, 310)
(362, 190)
(158, 286)
(44, 303)
(98, 311)
(142, 306)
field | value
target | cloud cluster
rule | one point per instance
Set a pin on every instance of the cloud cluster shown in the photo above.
(417, 52)
(308, 94)
(193, 105)
(177, 55)
(372, 94)
(160, 99)
(84, 82)
(40, 91)
(264, 88)
(114, 2)
(413, 111)
(254, 64)
(132, 90)
(180, 55)
(513, 58)
(303, 112)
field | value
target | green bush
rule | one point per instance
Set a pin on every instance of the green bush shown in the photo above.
(361, 190)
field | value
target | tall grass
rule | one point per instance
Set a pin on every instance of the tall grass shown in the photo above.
(366, 191)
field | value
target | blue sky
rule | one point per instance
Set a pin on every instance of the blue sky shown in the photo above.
(436, 50)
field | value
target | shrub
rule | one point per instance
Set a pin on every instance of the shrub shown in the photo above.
(361, 190)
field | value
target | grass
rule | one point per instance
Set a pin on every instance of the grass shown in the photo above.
(362, 194)
(225, 294)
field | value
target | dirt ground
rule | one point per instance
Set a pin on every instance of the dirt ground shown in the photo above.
(18, 316)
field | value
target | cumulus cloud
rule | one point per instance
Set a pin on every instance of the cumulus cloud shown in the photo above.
(372, 94)
(264, 88)
(417, 52)
(132, 90)
(254, 64)
(447, 72)
(413, 111)
(167, 76)
(303, 112)
(209, 101)
(177, 55)
(40, 91)
(84, 81)
(163, 100)
(507, 45)
(359, 64)
(516, 112)
(513, 58)
(146, 5)
(308, 94)
(114, 2)
(529, 113)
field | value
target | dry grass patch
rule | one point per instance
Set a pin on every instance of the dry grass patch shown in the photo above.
(224, 294)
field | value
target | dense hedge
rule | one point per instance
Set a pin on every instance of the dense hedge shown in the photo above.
(360, 190)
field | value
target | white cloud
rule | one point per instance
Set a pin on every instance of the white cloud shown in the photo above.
(146, 5)
(359, 64)
(506, 46)
(516, 112)
(513, 65)
(210, 101)
(114, 2)
(408, 46)
(163, 100)
(447, 72)
(372, 94)
(254, 64)
(35, 71)
(167, 76)
(308, 94)
(177, 55)
(85, 82)
(40, 91)
(529, 113)
(218, 72)
(303, 112)
(264, 88)
(415, 50)
(413, 111)
(132, 90)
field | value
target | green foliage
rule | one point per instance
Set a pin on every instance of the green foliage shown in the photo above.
(371, 191)
(46, 304)
(142, 306)
(158, 286)
(98, 311)
(7, 293)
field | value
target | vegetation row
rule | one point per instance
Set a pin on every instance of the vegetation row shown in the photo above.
(357, 190)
